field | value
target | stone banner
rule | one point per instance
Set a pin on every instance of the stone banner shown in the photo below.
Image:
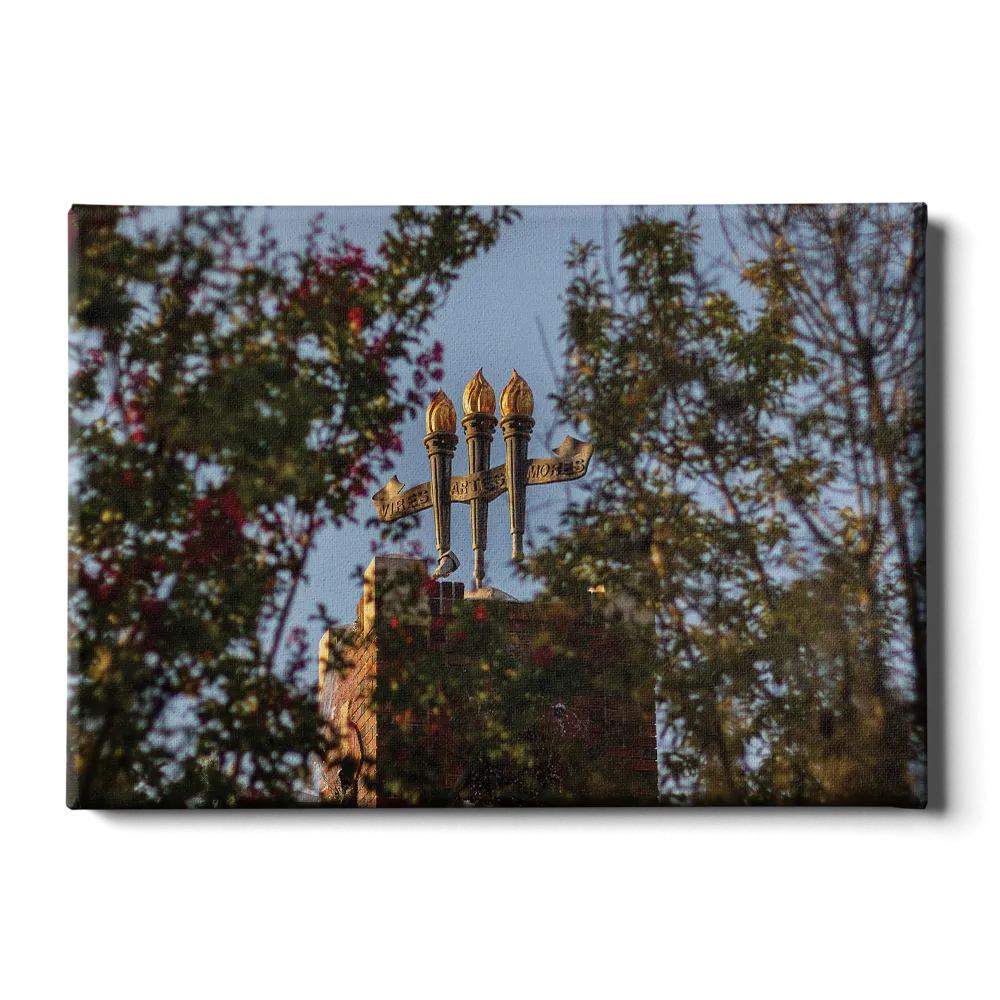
(569, 462)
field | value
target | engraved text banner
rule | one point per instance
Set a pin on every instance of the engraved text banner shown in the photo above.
(569, 462)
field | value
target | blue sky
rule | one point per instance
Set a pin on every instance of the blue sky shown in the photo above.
(494, 319)
(490, 320)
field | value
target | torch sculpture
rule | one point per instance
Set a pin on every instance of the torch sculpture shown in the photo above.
(479, 423)
(517, 403)
(483, 484)
(440, 442)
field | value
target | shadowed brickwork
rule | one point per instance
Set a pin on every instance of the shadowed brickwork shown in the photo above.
(605, 733)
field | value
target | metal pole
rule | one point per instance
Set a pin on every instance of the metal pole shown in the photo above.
(441, 442)
(516, 406)
(479, 403)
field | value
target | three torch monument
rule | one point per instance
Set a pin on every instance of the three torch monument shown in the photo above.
(483, 484)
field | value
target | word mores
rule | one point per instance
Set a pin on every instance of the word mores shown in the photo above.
(570, 462)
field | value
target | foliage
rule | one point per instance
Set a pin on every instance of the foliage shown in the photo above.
(759, 493)
(227, 401)
(489, 711)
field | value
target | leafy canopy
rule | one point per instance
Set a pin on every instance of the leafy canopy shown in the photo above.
(758, 492)
(229, 400)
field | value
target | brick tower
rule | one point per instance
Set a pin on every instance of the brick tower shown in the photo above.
(603, 741)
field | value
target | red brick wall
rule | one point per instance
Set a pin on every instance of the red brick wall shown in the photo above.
(614, 736)
(617, 736)
(353, 722)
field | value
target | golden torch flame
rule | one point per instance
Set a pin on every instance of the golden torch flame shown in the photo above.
(479, 396)
(441, 414)
(517, 397)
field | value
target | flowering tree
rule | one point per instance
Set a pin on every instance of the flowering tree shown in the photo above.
(228, 400)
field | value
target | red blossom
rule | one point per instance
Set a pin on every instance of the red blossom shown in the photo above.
(543, 656)
(215, 534)
(145, 569)
(138, 435)
(154, 614)
(394, 622)
(105, 583)
(128, 478)
(229, 503)
(200, 508)
(356, 316)
(481, 614)
(133, 412)
(226, 504)
(153, 609)
(140, 379)
(389, 440)
(352, 259)
(360, 470)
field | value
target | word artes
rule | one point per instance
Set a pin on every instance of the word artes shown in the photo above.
(480, 485)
